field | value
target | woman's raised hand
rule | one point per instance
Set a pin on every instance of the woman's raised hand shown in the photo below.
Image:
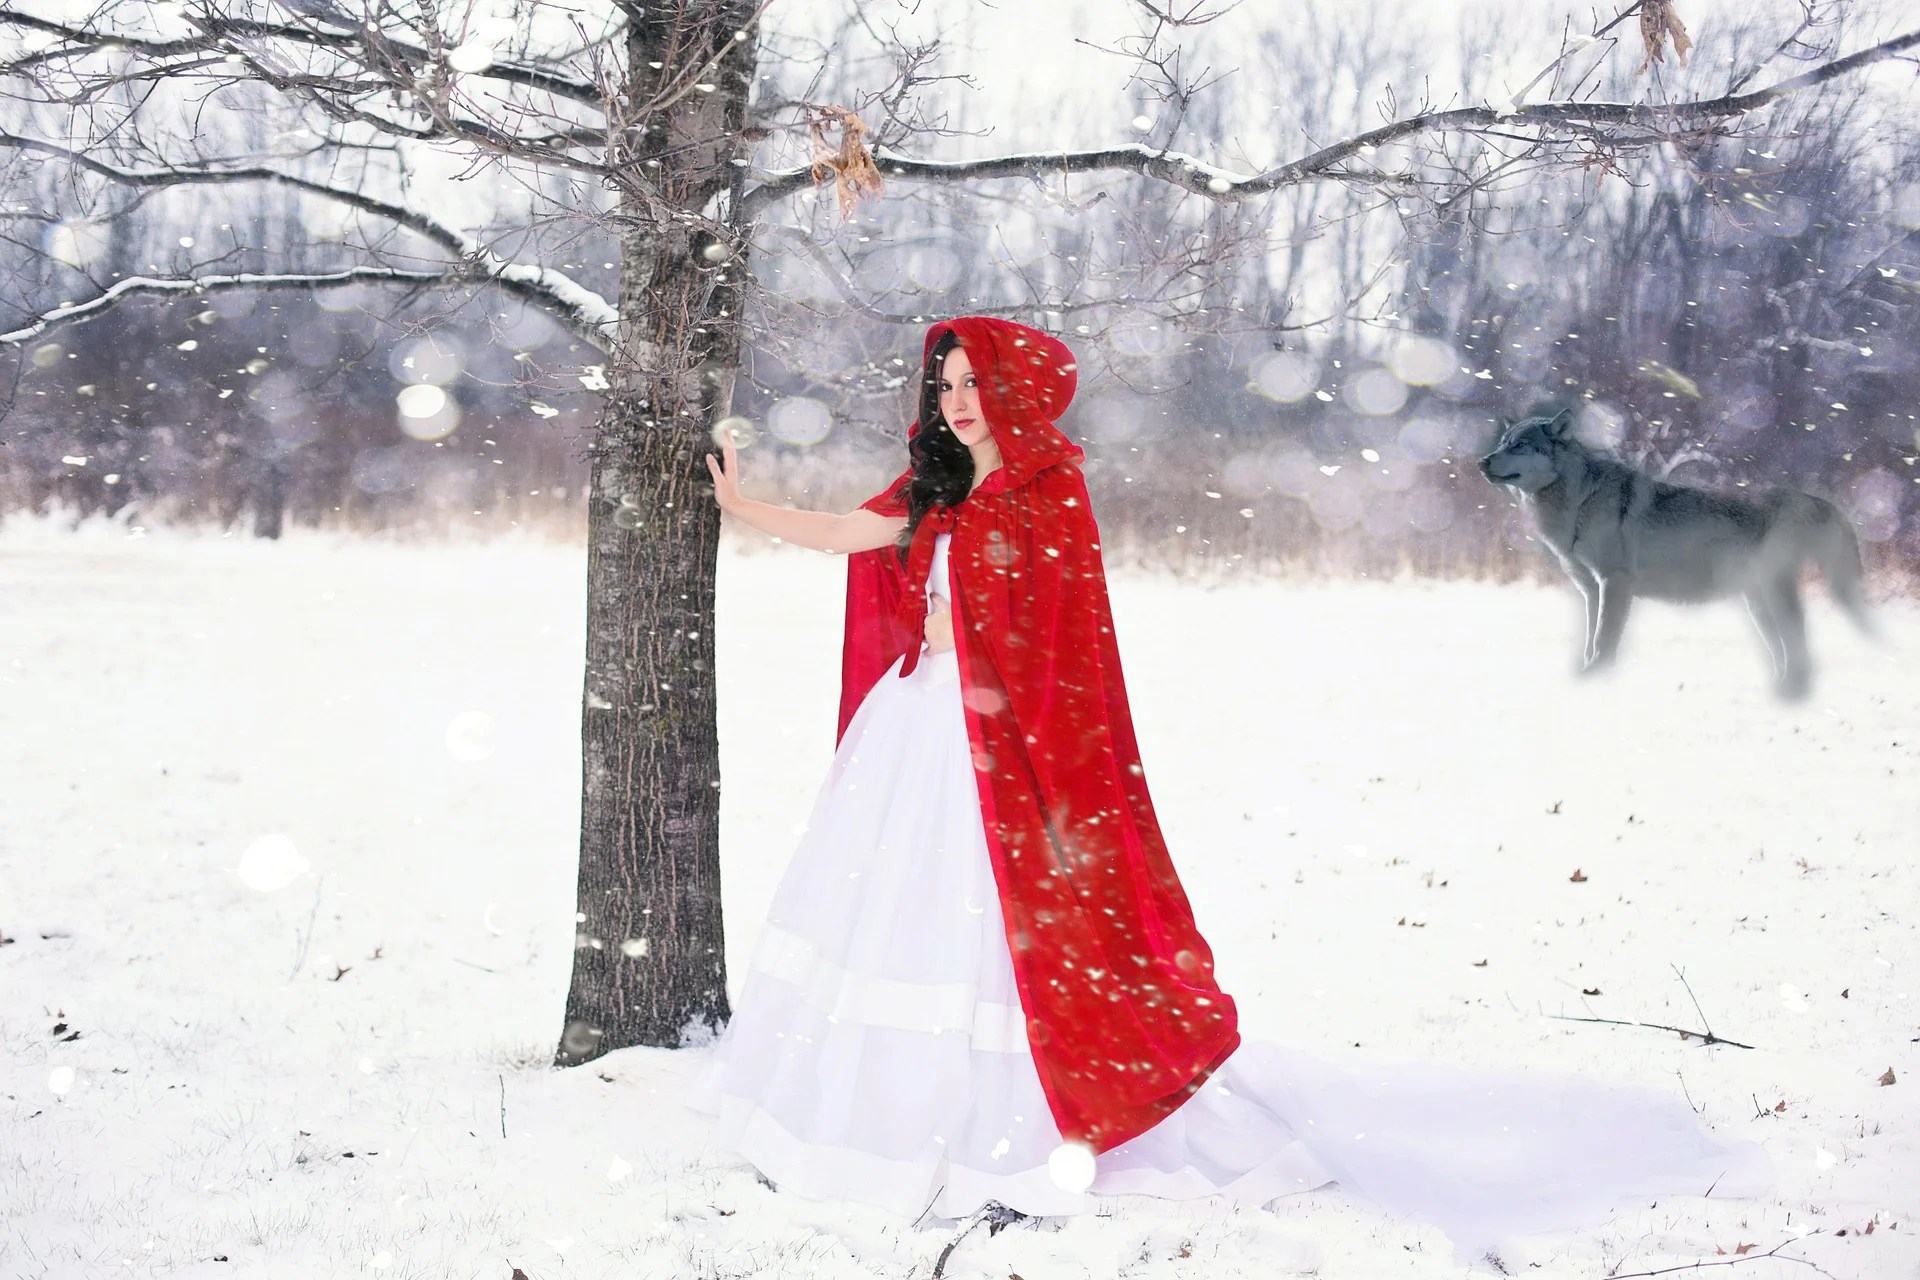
(726, 473)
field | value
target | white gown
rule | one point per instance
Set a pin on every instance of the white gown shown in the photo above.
(878, 1052)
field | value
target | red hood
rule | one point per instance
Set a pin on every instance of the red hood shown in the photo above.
(1027, 379)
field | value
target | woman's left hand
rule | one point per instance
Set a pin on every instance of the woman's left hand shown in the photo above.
(939, 629)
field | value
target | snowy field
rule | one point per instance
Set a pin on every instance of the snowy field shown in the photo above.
(1378, 795)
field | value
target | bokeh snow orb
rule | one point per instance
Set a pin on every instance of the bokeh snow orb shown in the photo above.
(1071, 1166)
(437, 360)
(1294, 473)
(740, 430)
(1285, 376)
(271, 862)
(1337, 502)
(60, 1081)
(76, 242)
(470, 737)
(800, 420)
(1377, 393)
(1422, 362)
(1425, 439)
(423, 400)
(427, 412)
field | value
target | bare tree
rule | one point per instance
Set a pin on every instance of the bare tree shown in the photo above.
(640, 119)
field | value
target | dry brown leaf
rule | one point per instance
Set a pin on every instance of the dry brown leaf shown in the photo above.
(851, 162)
(1888, 1077)
(1578, 876)
(1657, 22)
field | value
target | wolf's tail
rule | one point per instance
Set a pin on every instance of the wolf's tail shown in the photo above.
(1826, 536)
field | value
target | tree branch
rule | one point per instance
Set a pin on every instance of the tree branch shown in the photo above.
(85, 41)
(584, 312)
(1204, 179)
(81, 312)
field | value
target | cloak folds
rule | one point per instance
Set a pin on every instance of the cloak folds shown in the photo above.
(1123, 1014)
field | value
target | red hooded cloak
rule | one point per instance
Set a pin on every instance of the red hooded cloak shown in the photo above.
(1123, 1014)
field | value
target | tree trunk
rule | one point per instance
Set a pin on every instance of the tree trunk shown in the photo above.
(649, 965)
(270, 503)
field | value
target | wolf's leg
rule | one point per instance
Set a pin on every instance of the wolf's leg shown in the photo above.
(1616, 599)
(1796, 679)
(1589, 589)
(1757, 609)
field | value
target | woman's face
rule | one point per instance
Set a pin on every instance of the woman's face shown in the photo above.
(960, 399)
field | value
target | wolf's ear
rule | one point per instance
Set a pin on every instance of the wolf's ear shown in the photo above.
(1561, 423)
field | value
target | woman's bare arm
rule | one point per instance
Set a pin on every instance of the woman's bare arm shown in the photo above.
(859, 530)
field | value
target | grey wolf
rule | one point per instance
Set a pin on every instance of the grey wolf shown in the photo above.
(1620, 533)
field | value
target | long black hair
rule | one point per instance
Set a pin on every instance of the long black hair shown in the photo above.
(942, 466)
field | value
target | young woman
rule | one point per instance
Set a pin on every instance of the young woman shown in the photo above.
(980, 980)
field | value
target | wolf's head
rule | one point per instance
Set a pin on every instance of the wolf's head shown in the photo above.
(1528, 455)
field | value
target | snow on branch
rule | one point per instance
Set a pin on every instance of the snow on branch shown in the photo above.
(78, 312)
(1591, 120)
(584, 312)
(219, 30)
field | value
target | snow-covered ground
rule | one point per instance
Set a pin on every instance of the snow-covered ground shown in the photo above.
(1378, 796)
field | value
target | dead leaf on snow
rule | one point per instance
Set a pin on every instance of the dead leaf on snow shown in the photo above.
(1888, 1077)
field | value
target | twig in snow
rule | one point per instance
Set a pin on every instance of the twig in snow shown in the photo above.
(1680, 973)
(1733, 1262)
(1686, 1093)
(503, 1105)
(1705, 1037)
(929, 1209)
(306, 935)
(993, 1213)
